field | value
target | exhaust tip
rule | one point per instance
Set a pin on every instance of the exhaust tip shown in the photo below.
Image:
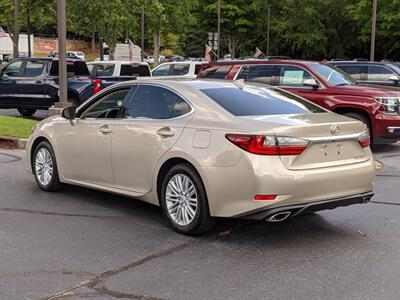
(279, 217)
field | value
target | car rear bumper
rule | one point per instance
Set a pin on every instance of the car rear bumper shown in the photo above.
(305, 208)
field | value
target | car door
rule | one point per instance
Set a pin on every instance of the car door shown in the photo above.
(291, 78)
(31, 86)
(154, 120)
(9, 93)
(258, 73)
(85, 143)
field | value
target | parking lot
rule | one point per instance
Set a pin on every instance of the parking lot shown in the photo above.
(84, 244)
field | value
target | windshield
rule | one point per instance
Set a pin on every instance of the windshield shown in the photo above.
(257, 101)
(333, 75)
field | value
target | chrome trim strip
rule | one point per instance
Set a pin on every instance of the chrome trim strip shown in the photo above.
(393, 129)
(334, 138)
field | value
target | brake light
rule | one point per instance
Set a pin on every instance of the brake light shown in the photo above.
(364, 139)
(265, 197)
(268, 144)
(97, 85)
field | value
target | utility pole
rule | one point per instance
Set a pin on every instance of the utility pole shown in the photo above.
(373, 30)
(268, 25)
(62, 61)
(219, 29)
(142, 28)
(16, 29)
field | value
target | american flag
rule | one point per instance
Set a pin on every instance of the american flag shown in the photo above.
(3, 33)
(133, 48)
(258, 52)
(207, 54)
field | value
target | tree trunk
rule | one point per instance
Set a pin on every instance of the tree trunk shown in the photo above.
(233, 42)
(15, 36)
(157, 42)
(28, 31)
(93, 41)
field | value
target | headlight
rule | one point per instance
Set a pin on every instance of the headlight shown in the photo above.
(391, 105)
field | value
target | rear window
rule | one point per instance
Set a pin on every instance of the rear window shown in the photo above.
(105, 69)
(257, 101)
(74, 68)
(217, 72)
(135, 70)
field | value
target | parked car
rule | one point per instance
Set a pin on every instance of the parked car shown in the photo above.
(29, 84)
(382, 73)
(378, 108)
(205, 149)
(70, 54)
(185, 69)
(106, 73)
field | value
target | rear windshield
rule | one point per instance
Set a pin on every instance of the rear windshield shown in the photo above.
(258, 101)
(74, 68)
(135, 70)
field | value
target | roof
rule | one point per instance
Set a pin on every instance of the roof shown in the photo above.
(122, 62)
(261, 62)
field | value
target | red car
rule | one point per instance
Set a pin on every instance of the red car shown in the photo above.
(325, 85)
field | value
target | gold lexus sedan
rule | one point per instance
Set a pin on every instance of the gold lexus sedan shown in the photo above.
(206, 149)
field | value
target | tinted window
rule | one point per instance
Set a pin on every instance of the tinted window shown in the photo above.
(110, 106)
(161, 70)
(105, 69)
(218, 72)
(12, 69)
(155, 102)
(379, 73)
(256, 101)
(258, 73)
(180, 69)
(354, 71)
(197, 69)
(75, 68)
(134, 70)
(33, 69)
(293, 76)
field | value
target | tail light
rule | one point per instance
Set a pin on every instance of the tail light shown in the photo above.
(364, 139)
(97, 85)
(268, 144)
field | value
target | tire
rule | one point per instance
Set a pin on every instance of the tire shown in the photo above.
(26, 112)
(73, 100)
(189, 216)
(44, 158)
(361, 118)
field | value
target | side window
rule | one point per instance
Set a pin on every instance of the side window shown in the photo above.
(217, 72)
(180, 69)
(355, 71)
(153, 102)
(379, 73)
(105, 69)
(144, 70)
(110, 106)
(261, 73)
(293, 76)
(33, 69)
(13, 69)
(161, 70)
(90, 68)
(197, 69)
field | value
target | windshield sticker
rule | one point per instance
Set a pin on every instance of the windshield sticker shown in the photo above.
(292, 77)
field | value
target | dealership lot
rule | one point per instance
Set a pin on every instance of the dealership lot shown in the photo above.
(84, 244)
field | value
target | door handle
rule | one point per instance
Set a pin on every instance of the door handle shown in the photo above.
(166, 132)
(38, 81)
(105, 129)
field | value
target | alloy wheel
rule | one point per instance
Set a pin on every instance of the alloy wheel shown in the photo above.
(44, 167)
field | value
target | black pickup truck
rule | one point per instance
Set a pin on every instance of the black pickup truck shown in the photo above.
(29, 84)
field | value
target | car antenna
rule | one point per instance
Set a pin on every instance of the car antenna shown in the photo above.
(239, 83)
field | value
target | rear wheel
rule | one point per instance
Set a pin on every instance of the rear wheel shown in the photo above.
(184, 201)
(361, 118)
(26, 112)
(44, 167)
(73, 100)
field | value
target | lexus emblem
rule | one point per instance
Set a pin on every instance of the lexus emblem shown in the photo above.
(335, 129)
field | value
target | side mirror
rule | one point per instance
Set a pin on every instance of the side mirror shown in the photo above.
(311, 83)
(394, 78)
(69, 113)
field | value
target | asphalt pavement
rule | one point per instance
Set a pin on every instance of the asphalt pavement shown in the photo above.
(85, 244)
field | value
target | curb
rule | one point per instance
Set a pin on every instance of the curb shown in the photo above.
(12, 142)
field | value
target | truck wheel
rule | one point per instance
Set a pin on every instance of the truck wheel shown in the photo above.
(26, 112)
(359, 117)
(73, 100)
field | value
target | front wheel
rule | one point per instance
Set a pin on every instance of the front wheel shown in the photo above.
(44, 167)
(27, 112)
(184, 201)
